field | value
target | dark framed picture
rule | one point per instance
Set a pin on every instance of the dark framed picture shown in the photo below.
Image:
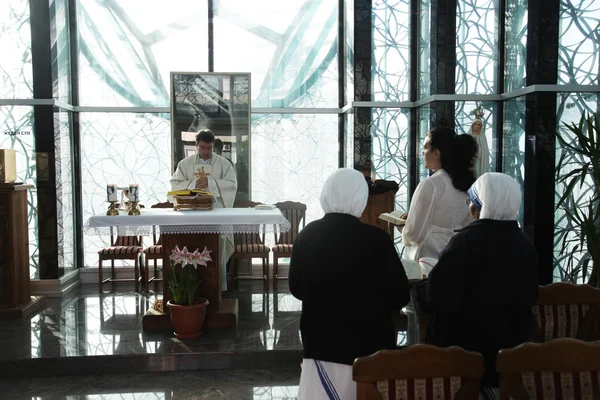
(219, 102)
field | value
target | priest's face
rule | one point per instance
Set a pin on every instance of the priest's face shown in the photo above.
(204, 150)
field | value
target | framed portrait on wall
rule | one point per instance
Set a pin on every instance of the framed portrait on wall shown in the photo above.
(219, 102)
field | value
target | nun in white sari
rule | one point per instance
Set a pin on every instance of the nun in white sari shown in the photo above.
(350, 279)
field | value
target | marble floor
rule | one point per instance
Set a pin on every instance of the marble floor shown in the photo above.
(202, 385)
(93, 324)
(92, 333)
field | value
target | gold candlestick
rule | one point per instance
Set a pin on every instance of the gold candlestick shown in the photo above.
(134, 209)
(112, 209)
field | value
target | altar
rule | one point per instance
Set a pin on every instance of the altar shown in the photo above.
(194, 230)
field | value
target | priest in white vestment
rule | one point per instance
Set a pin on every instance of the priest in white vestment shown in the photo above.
(218, 177)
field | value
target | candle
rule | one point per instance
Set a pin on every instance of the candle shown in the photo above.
(111, 192)
(134, 192)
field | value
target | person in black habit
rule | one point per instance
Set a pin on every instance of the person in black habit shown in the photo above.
(350, 279)
(481, 290)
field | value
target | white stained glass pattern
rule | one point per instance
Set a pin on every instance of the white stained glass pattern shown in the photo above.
(17, 134)
(391, 50)
(426, 115)
(64, 192)
(128, 49)
(349, 13)
(16, 80)
(513, 153)
(122, 149)
(289, 47)
(515, 46)
(349, 140)
(59, 39)
(567, 265)
(390, 154)
(425, 49)
(476, 49)
(579, 42)
(292, 155)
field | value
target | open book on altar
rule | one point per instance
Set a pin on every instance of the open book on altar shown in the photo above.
(416, 270)
(393, 217)
(190, 192)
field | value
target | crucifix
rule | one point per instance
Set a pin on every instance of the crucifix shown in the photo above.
(201, 173)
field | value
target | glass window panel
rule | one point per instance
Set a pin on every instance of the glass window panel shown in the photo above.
(122, 149)
(390, 154)
(579, 42)
(350, 140)
(391, 50)
(17, 134)
(59, 39)
(515, 50)
(64, 193)
(513, 153)
(570, 107)
(464, 119)
(128, 49)
(426, 115)
(290, 48)
(476, 46)
(425, 49)
(292, 155)
(16, 80)
(349, 4)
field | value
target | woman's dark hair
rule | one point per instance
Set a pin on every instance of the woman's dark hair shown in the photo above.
(457, 155)
(206, 136)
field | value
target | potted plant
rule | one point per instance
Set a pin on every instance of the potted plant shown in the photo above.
(187, 311)
(580, 200)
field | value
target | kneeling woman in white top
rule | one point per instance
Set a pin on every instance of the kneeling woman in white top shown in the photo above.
(438, 205)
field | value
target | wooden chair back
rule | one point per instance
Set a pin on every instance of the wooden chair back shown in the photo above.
(566, 369)
(419, 371)
(567, 310)
(248, 238)
(124, 240)
(295, 213)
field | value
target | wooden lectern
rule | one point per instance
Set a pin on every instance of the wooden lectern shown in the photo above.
(380, 203)
(15, 293)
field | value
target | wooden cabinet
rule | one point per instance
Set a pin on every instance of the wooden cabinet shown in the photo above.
(14, 246)
(377, 205)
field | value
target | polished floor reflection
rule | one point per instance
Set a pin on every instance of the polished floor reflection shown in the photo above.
(206, 385)
(91, 333)
(93, 324)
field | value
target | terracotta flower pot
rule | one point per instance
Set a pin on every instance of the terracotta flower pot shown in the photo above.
(188, 320)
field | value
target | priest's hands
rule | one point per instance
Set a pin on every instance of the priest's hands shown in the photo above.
(202, 183)
(404, 216)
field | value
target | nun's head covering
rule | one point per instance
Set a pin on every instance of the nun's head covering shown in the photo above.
(496, 196)
(345, 192)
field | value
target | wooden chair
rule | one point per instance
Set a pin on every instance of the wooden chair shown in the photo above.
(295, 213)
(566, 369)
(420, 371)
(154, 252)
(249, 246)
(122, 248)
(567, 310)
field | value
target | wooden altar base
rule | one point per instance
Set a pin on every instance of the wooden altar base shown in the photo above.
(222, 313)
(226, 317)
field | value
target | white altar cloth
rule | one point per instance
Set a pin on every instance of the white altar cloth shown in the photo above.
(167, 221)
